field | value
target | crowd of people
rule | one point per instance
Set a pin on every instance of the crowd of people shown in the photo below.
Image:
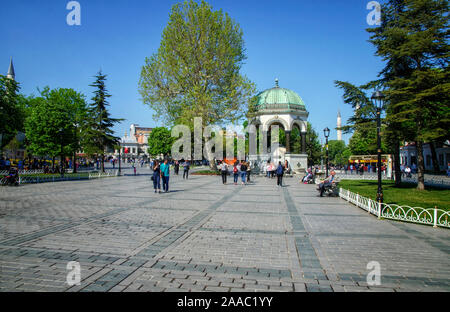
(361, 168)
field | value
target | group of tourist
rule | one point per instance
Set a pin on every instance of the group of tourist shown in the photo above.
(270, 169)
(161, 172)
(239, 169)
(242, 169)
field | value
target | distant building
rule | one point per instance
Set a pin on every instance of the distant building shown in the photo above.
(136, 144)
(339, 124)
(11, 74)
(408, 155)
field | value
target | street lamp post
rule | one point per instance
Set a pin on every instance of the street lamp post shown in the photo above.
(61, 167)
(120, 156)
(326, 133)
(75, 152)
(377, 98)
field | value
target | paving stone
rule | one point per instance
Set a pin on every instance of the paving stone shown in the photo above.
(203, 237)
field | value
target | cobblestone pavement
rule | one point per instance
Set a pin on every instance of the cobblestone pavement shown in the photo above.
(203, 236)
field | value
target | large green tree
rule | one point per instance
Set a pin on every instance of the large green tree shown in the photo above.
(12, 110)
(313, 148)
(335, 150)
(196, 70)
(52, 123)
(160, 142)
(413, 42)
(97, 132)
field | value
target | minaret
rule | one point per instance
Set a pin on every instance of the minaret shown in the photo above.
(339, 124)
(11, 74)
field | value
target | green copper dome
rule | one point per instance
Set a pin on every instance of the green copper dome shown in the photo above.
(279, 100)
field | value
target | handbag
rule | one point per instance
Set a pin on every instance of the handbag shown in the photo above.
(152, 178)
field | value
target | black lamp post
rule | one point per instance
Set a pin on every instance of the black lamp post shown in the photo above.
(61, 167)
(326, 133)
(377, 98)
(120, 155)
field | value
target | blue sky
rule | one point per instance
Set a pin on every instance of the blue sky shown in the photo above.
(305, 44)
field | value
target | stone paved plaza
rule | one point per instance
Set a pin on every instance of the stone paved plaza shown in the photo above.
(203, 236)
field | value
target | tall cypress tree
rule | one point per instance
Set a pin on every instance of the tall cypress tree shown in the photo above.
(98, 133)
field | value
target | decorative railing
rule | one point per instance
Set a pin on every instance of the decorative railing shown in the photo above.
(107, 173)
(24, 172)
(428, 216)
(358, 176)
(24, 179)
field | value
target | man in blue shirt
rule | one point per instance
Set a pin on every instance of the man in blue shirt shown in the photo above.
(165, 173)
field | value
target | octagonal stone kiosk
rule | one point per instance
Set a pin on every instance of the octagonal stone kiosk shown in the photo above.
(286, 109)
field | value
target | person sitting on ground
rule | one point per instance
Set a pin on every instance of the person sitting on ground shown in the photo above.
(327, 183)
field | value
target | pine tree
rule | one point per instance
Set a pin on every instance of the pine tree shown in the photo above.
(413, 40)
(98, 134)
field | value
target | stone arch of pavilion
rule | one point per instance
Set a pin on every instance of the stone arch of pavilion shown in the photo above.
(283, 107)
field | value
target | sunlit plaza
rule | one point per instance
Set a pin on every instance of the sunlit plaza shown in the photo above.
(202, 236)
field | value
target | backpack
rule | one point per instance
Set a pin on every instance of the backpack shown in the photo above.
(280, 170)
(235, 170)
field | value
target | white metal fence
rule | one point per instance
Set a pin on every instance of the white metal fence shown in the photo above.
(25, 172)
(72, 177)
(429, 216)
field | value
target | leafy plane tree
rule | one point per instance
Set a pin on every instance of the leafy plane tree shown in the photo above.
(12, 110)
(160, 142)
(196, 71)
(52, 121)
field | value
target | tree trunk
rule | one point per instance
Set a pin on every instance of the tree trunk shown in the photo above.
(103, 163)
(434, 158)
(397, 170)
(74, 163)
(420, 166)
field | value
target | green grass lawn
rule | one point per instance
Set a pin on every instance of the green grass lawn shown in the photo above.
(205, 172)
(406, 194)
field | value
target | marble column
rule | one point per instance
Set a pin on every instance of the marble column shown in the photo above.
(303, 137)
(288, 142)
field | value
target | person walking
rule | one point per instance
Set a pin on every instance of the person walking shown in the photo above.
(224, 172)
(156, 176)
(287, 167)
(177, 167)
(279, 172)
(235, 173)
(243, 172)
(249, 171)
(165, 173)
(268, 169)
(186, 169)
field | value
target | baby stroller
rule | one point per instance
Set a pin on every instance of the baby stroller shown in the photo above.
(12, 178)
